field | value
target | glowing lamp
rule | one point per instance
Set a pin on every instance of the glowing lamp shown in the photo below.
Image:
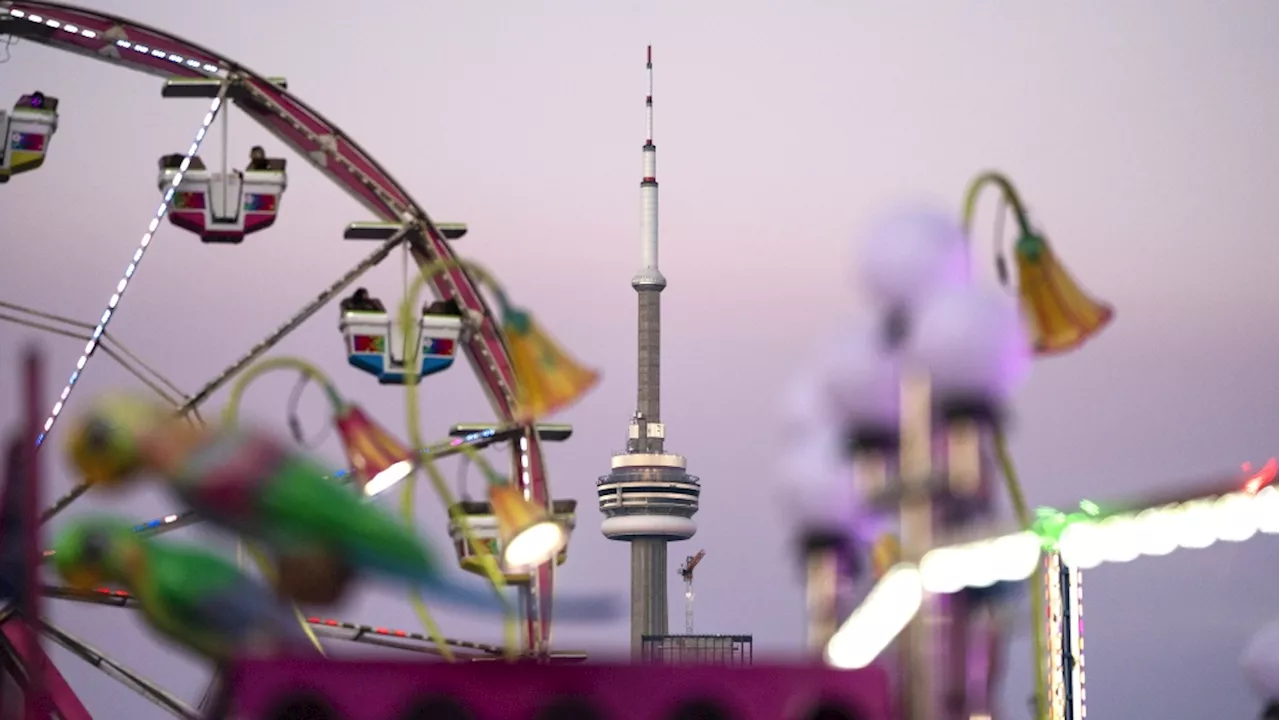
(861, 377)
(910, 253)
(974, 344)
(529, 535)
(1060, 316)
(376, 459)
(547, 378)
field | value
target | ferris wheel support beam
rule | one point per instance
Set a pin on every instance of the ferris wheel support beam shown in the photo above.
(121, 674)
(127, 43)
(113, 302)
(205, 87)
(383, 231)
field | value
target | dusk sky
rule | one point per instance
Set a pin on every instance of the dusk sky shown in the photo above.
(1142, 133)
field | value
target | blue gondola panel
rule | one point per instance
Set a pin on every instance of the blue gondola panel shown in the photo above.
(373, 347)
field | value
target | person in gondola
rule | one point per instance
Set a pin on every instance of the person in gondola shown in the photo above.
(258, 159)
(361, 301)
(442, 307)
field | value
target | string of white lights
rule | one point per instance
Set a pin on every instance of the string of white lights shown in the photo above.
(129, 271)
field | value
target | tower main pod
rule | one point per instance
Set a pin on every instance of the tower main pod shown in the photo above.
(647, 498)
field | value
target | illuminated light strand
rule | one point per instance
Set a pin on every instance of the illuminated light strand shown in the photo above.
(1075, 591)
(134, 262)
(175, 58)
(890, 605)
(1087, 543)
(1054, 623)
(1007, 558)
(1233, 517)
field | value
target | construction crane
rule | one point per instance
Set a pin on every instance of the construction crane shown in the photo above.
(686, 572)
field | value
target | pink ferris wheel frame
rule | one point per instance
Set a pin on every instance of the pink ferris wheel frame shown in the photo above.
(137, 46)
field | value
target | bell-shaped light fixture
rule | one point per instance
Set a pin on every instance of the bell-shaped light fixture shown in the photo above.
(908, 254)
(547, 378)
(530, 537)
(1060, 316)
(376, 459)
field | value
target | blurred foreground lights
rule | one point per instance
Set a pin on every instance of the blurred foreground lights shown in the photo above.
(529, 536)
(1008, 558)
(377, 460)
(387, 478)
(1234, 517)
(890, 605)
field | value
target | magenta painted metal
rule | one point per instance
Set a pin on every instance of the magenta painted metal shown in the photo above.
(44, 688)
(25, 642)
(139, 47)
(388, 690)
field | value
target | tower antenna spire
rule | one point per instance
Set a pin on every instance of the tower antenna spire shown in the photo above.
(648, 99)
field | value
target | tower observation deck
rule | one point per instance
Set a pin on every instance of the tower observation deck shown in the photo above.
(648, 499)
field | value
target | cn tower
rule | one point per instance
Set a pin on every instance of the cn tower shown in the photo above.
(647, 498)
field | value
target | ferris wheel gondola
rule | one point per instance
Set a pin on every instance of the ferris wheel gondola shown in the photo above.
(374, 345)
(27, 130)
(224, 207)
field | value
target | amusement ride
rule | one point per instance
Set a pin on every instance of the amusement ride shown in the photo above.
(933, 369)
(224, 204)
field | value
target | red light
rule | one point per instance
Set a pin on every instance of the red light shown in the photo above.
(1262, 478)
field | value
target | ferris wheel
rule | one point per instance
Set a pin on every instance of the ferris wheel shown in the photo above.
(223, 204)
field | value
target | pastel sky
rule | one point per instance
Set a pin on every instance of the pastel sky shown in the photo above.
(1142, 132)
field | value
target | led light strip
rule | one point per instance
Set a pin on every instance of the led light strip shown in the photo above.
(174, 58)
(1054, 624)
(114, 302)
(1074, 596)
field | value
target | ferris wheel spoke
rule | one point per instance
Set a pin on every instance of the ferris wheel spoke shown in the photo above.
(114, 302)
(298, 318)
(120, 673)
(324, 627)
(114, 349)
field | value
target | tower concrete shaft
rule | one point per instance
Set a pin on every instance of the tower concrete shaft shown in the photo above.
(649, 615)
(647, 498)
(649, 369)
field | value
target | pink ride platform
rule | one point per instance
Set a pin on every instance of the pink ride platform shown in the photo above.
(394, 690)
